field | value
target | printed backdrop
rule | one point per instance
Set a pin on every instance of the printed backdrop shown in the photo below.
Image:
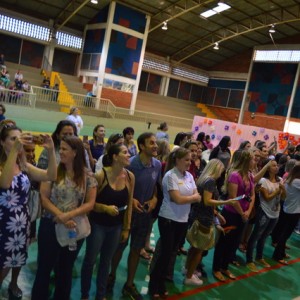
(239, 133)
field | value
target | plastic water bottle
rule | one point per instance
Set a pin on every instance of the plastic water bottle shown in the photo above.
(72, 239)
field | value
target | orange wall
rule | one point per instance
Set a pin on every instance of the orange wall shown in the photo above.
(260, 120)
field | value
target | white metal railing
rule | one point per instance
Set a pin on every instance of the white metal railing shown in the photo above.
(41, 95)
(67, 99)
(17, 97)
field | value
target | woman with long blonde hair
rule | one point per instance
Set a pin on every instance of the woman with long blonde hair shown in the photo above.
(204, 212)
(240, 182)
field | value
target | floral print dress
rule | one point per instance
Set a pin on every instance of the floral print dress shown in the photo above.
(14, 222)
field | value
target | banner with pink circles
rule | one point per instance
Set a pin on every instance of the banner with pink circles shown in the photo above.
(240, 132)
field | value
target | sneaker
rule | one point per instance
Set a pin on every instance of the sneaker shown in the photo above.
(297, 231)
(263, 263)
(184, 271)
(194, 280)
(131, 292)
(252, 267)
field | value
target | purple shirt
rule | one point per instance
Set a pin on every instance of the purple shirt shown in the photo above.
(236, 178)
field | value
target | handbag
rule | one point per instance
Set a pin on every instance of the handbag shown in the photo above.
(83, 229)
(200, 236)
(34, 205)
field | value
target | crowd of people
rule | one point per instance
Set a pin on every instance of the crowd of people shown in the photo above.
(229, 201)
(17, 85)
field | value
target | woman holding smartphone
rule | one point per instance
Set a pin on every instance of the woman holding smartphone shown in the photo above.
(15, 176)
(110, 219)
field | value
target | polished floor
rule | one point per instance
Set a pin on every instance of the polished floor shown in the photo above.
(278, 282)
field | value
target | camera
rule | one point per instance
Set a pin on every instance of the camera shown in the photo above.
(38, 139)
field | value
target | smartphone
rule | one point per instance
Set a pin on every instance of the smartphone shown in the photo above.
(38, 139)
(239, 197)
(122, 208)
(85, 138)
(146, 207)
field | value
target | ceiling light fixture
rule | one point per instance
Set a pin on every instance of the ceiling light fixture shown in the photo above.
(272, 29)
(221, 7)
(94, 1)
(165, 26)
(216, 46)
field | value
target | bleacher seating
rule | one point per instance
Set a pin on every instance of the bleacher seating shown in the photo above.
(167, 106)
(31, 74)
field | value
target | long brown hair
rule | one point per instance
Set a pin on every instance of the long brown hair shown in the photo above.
(95, 132)
(294, 174)
(79, 163)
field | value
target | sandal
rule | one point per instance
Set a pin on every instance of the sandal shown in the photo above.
(15, 293)
(236, 263)
(228, 274)
(282, 261)
(164, 295)
(218, 275)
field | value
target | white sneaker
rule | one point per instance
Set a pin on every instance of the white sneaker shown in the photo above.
(194, 280)
(184, 271)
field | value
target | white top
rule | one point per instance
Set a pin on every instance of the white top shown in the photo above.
(271, 207)
(185, 184)
(99, 164)
(292, 201)
(77, 121)
(19, 76)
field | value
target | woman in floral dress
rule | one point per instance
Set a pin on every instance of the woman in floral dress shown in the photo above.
(15, 176)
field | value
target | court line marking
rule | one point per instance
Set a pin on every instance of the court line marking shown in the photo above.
(218, 283)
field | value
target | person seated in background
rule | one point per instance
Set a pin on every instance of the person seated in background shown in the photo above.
(55, 92)
(26, 86)
(88, 100)
(14, 94)
(19, 79)
(46, 83)
(5, 77)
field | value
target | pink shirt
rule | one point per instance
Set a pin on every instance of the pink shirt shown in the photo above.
(236, 178)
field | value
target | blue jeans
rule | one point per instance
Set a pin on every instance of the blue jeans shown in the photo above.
(51, 256)
(104, 240)
(262, 229)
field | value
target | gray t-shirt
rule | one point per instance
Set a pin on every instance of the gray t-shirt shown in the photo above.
(272, 207)
(292, 202)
